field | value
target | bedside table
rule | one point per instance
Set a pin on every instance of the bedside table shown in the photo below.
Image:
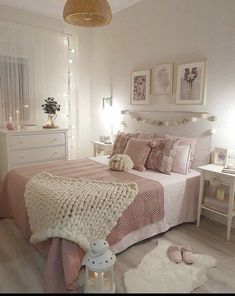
(100, 146)
(212, 174)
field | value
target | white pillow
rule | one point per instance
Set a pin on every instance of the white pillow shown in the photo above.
(181, 162)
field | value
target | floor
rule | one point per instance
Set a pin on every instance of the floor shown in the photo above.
(21, 266)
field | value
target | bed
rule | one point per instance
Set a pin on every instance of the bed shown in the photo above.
(174, 198)
(64, 257)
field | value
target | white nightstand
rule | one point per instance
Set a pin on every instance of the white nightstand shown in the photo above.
(100, 146)
(212, 174)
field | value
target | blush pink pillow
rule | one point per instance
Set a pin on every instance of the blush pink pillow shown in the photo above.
(182, 159)
(138, 150)
(121, 142)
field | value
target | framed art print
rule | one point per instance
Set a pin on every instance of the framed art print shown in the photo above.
(220, 156)
(140, 87)
(191, 83)
(162, 79)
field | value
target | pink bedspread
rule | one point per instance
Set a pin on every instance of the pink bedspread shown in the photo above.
(64, 257)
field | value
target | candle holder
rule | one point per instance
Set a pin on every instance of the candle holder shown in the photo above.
(50, 121)
(99, 263)
(51, 107)
(17, 125)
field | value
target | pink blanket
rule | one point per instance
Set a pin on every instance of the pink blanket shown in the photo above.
(64, 257)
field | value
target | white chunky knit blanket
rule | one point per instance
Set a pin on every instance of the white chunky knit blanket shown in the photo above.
(75, 209)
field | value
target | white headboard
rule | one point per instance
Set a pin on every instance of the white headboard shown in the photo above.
(183, 124)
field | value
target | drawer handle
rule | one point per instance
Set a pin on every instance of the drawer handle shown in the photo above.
(56, 152)
(21, 142)
(54, 140)
(22, 156)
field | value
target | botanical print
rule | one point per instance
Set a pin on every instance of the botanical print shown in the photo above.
(190, 85)
(140, 87)
(163, 79)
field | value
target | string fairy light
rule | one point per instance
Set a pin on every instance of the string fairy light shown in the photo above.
(70, 51)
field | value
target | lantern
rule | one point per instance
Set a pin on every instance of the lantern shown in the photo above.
(99, 263)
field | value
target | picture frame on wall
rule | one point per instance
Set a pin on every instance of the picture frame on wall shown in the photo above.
(163, 79)
(191, 83)
(140, 87)
(220, 156)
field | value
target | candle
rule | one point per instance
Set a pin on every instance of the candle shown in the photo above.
(17, 119)
(220, 194)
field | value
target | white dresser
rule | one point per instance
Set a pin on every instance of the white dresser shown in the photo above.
(31, 146)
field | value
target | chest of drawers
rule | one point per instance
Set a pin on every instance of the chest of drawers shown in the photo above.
(25, 147)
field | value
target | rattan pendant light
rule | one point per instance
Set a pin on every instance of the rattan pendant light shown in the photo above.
(87, 13)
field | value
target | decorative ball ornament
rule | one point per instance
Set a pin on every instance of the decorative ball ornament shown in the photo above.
(193, 119)
(213, 131)
(121, 162)
(185, 121)
(10, 126)
(99, 263)
(212, 118)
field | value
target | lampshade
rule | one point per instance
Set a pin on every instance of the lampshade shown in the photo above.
(87, 13)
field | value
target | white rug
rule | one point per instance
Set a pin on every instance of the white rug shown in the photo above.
(157, 274)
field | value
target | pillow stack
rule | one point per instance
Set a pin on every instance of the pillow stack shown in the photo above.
(147, 151)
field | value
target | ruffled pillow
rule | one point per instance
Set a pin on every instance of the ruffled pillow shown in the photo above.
(182, 159)
(121, 162)
(162, 156)
(186, 141)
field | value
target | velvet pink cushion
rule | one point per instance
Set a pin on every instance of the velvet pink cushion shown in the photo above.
(186, 141)
(161, 157)
(138, 150)
(121, 142)
(182, 160)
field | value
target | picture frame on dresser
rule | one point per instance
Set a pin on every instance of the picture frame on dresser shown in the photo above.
(191, 80)
(140, 87)
(220, 156)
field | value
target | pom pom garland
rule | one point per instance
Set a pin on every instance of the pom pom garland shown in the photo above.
(166, 123)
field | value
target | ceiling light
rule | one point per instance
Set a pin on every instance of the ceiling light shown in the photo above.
(87, 13)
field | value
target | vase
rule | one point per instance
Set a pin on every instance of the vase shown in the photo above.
(50, 121)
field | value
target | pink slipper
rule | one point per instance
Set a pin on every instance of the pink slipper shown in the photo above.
(187, 254)
(174, 254)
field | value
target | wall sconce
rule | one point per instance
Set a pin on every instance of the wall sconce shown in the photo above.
(108, 101)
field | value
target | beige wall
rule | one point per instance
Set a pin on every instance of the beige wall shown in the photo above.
(160, 31)
(82, 60)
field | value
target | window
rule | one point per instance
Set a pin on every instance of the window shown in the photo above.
(14, 87)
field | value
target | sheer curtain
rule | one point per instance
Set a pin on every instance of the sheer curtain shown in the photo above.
(33, 66)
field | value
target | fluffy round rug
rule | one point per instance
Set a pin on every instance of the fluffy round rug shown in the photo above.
(157, 274)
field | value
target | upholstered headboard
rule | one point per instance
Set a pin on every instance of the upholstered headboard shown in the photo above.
(182, 124)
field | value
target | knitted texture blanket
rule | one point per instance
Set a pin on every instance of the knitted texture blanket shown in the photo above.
(78, 210)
